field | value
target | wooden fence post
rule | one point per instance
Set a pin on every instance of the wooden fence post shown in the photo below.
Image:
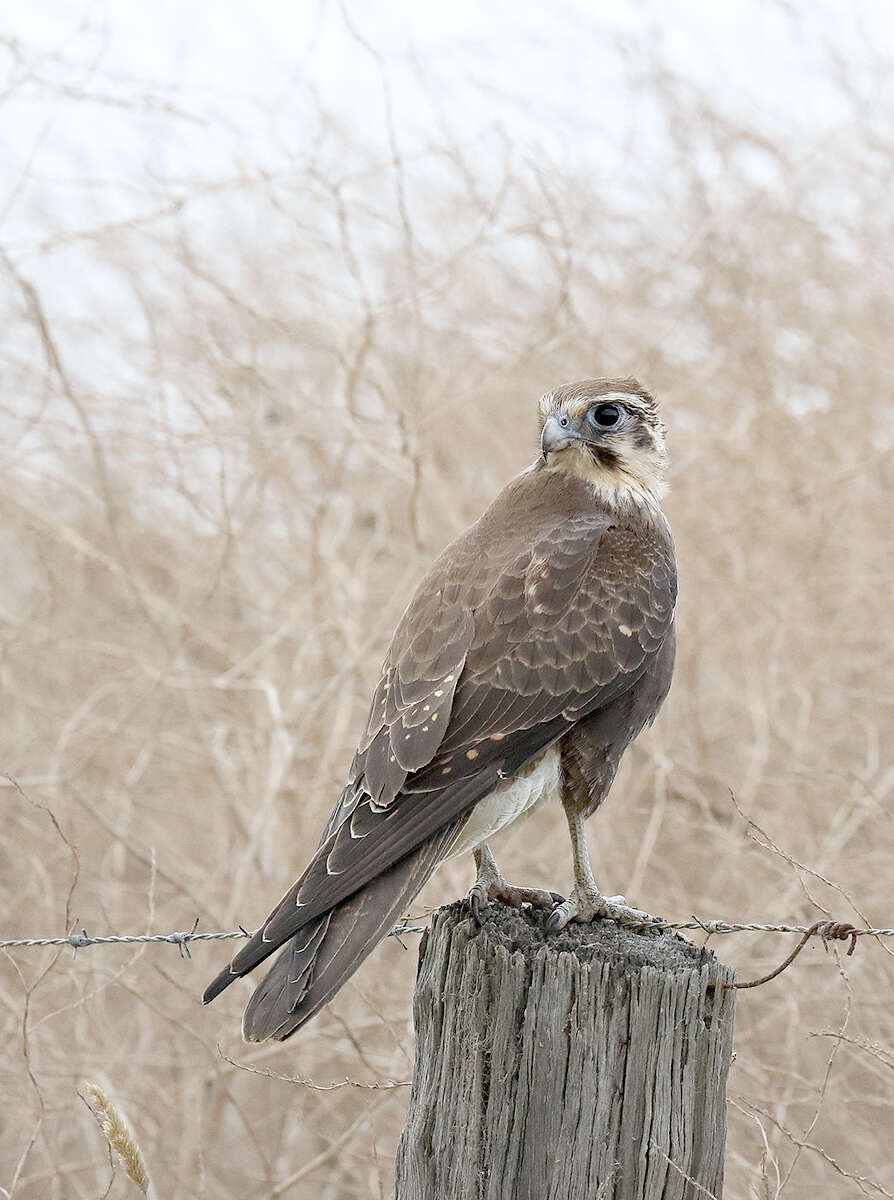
(586, 1065)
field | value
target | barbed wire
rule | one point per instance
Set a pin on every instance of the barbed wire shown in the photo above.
(79, 941)
(182, 938)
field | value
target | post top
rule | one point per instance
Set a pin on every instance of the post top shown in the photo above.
(521, 931)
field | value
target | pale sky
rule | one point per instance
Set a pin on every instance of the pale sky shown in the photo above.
(112, 111)
(559, 81)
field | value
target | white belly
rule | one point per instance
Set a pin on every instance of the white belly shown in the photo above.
(533, 783)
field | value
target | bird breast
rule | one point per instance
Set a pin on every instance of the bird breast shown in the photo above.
(538, 779)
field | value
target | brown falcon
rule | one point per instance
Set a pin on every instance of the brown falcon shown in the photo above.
(537, 647)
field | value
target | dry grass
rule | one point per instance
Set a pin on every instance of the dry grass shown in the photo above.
(223, 467)
(118, 1136)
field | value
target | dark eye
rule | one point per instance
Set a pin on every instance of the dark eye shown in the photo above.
(605, 415)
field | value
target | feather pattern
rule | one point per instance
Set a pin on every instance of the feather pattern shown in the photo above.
(544, 612)
(315, 964)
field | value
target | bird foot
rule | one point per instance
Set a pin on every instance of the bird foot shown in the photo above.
(506, 893)
(587, 904)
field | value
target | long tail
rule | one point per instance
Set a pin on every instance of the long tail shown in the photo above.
(329, 948)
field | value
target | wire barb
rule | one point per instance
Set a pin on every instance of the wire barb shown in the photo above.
(179, 938)
(828, 930)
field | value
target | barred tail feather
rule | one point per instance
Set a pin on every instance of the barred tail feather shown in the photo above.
(328, 950)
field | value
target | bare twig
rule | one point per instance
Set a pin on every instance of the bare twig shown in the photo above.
(374, 1086)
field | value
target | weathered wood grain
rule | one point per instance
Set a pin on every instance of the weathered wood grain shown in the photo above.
(589, 1063)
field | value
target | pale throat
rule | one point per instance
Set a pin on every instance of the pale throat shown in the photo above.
(640, 479)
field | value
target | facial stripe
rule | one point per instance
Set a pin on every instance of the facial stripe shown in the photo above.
(629, 456)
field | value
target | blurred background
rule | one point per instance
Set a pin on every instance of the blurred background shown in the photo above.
(280, 292)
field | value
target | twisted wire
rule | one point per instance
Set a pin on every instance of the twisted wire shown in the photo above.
(182, 938)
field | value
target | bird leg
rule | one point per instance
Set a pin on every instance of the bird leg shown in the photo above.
(586, 901)
(490, 885)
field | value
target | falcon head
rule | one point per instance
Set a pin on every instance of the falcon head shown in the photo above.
(608, 432)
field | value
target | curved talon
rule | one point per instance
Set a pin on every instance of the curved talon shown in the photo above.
(555, 920)
(477, 902)
(584, 906)
(509, 894)
(577, 907)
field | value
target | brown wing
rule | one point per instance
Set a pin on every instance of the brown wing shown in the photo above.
(326, 951)
(544, 611)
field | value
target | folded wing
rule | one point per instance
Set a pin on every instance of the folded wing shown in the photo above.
(540, 614)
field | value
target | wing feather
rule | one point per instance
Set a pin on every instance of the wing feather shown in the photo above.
(547, 609)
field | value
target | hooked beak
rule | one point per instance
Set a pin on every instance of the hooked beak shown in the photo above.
(556, 437)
